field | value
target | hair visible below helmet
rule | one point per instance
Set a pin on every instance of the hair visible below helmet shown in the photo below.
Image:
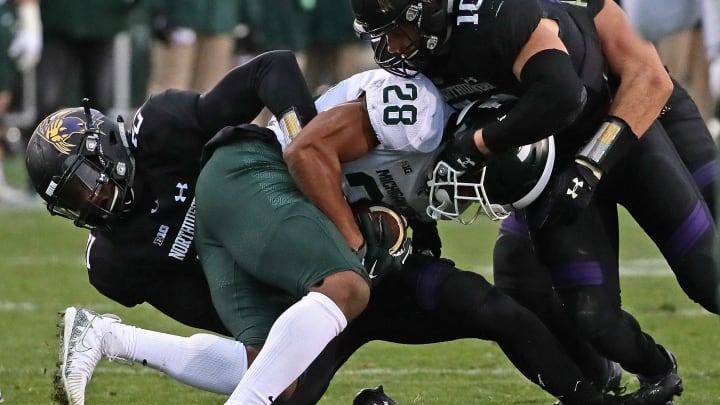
(375, 18)
(510, 180)
(79, 163)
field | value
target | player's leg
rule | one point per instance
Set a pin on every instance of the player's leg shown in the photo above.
(277, 238)
(518, 273)
(458, 304)
(583, 260)
(209, 362)
(663, 198)
(692, 140)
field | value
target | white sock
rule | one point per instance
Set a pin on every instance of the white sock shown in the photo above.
(209, 362)
(296, 338)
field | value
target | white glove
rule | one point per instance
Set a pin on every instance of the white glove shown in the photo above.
(714, 79)
(26, 46)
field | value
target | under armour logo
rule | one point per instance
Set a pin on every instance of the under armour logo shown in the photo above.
(577, 183)
(467, 161)
(182, 187)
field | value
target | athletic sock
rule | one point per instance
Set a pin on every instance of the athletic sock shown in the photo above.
(296, 338)
(211, 363)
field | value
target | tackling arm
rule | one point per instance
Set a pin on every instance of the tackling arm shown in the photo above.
(272, 79)
(645, 85)
(340, 134)
(553, 93)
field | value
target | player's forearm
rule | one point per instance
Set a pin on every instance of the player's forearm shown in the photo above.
(642, 94)
(645, 86)
(319, 178)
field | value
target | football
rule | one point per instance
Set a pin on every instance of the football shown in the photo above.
(397, 232)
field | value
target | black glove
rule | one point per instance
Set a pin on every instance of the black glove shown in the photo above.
(567, 195)
(374, 252)
(462, 154)
(425, 238)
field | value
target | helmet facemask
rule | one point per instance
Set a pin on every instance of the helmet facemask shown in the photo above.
(507, 181)
(89, 179)
(452, 192)
(428, 20)
(85, 193)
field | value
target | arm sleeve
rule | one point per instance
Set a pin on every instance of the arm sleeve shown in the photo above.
(553, 97)
(272, 79)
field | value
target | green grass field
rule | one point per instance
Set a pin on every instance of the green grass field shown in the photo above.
(42, 272)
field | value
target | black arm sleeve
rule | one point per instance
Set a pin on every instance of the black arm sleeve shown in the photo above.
(272, 79)
(553, 97)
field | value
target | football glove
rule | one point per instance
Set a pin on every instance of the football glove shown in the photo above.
(567, 195)
(573, 189)
(26, 46)
(426, 239)
(374, 253)
(462, 154)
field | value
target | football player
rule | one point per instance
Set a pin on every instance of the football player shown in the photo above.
(141, 207)
(377, 138)
(440, 316)
(553, 56)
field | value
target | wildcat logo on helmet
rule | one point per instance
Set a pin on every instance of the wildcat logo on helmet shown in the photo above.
(58, 130)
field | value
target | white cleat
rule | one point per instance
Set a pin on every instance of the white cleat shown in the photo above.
(81, 338)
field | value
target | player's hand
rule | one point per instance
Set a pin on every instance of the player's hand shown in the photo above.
(426, 239)
(568, 194)
(26, 47)
(462, 153)
(374, 252)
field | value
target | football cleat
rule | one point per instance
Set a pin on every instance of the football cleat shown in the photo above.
(373, 396)
(614, 379)
(647, 380)
(662, 391)
(81, 333)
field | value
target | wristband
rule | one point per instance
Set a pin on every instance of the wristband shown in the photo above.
(290, 123)
(609, 144)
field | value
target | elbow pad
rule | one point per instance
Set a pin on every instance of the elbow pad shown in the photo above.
(554, 97)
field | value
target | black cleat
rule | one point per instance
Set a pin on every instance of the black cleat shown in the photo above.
(648, 380)
(661, 392)
(373, 396)
(614, 379)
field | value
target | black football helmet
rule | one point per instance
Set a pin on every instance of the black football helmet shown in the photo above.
(79, 162)
(375, 18)
(373, 396)
(510, 180)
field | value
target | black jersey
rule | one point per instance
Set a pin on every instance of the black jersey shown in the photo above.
(156, 238)
(486, 40)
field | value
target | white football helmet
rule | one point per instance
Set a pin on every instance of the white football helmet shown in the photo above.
(510, 180)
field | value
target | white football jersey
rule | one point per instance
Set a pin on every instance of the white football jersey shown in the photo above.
(408, 116)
